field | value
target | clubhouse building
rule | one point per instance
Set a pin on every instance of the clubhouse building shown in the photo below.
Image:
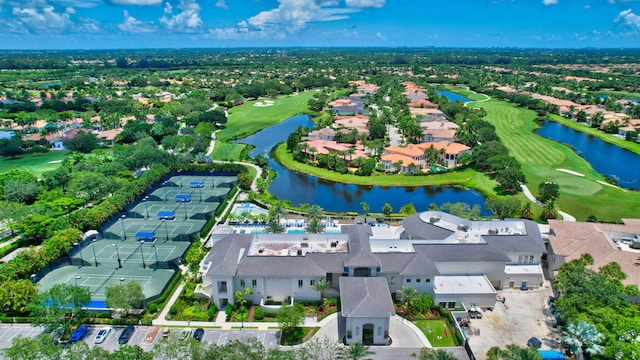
(458, 262)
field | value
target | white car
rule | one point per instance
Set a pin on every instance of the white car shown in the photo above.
(102, 335)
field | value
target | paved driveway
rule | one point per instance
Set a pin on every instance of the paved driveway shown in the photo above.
(523, 315)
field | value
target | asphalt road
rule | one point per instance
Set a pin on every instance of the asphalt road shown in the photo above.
(214, 336)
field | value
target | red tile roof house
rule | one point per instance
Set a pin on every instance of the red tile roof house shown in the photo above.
(604, 242)
(326, 133)
(412, 157)
(106, 137)
(325, 147)
(452, 151)
(51, 138)
(69, 134)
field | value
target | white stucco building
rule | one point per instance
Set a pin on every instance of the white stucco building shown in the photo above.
(457, 261)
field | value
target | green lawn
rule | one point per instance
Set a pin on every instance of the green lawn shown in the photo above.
(434, 330)
(247, 119)
(35, 163)
(540, 157)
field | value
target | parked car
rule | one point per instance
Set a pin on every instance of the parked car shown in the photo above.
(198, 334)
(79, 333)
(126, 334)
(185, 334)
(166, 332)
(102, 335)
(475, 313)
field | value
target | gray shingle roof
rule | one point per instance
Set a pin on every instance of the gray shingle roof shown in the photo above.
(224, 254)
(415, 228)
(359, 250)
(531, 242)
(365, 297)
(462, 252)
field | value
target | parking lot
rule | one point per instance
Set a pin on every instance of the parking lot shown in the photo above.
(523, 315)
(269, 338)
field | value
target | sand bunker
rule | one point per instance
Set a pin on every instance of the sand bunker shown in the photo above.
(264, 103)
(570, 172)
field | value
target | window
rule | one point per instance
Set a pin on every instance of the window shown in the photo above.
(525, 259)
(393, 280)
(418, 280)
(443, 304)
(300, 283)
(254, 283)
(312, 282)
(427, 280)
(408, 281)
(242, 284)
(451, 305)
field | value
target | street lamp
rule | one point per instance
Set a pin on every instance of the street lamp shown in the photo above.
(155, 249)
(144, 265)
(184, 205)
(118, 254)
(124, 233)
(212, 185)
(93, 247)
(121, 281)
(201, 193)
(180, 173)
(164, 184)
(166, 231)
(77, 278)
(146, 205)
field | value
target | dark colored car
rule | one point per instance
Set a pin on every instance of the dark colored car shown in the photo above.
(198, 334)
(79, 334)
(126, 334)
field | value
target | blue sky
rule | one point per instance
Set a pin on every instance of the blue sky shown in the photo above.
(114, 24)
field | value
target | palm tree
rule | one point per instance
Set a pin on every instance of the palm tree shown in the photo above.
(365, 208)
(549, 210)
(315, 212)
(495, 353)
(432, 354)
(526, 212)
(515, 352)
(409, 295)
(356, 351)
(583, 337)
(322, 286)
(277, 212)
(314, 227)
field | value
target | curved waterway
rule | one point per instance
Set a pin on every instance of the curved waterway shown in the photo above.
(609, 160)
(301, 188)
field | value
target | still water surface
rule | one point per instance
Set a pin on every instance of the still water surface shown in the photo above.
(302, 188)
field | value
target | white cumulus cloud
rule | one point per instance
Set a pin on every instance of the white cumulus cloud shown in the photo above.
(222, 4)
(627, 17)
(550, 2)
(188, 19)
(133, 25)
(293, 15)
(135, 2)
(361, 4)
(70, 10)
(39, 15)
(168, 9)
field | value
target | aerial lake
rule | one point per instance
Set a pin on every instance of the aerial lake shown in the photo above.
(301, 188)
(452, 96)
(607, 159)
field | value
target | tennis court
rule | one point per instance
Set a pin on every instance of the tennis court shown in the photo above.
(146, 242)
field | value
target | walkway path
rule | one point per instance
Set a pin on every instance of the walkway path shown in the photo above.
(529, 195)
(212, 145)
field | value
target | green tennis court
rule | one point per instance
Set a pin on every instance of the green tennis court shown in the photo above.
(146, 243)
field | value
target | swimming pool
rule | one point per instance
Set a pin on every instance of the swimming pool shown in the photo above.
(248, 209)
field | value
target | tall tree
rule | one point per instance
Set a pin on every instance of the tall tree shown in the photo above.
(583, 338)
(126, 296)
(356, 351)
(434, 354)
(322, 286)
(61, 306)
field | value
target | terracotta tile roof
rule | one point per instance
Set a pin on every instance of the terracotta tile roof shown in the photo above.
(409, 150)
(393, 158)
(572, 239)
